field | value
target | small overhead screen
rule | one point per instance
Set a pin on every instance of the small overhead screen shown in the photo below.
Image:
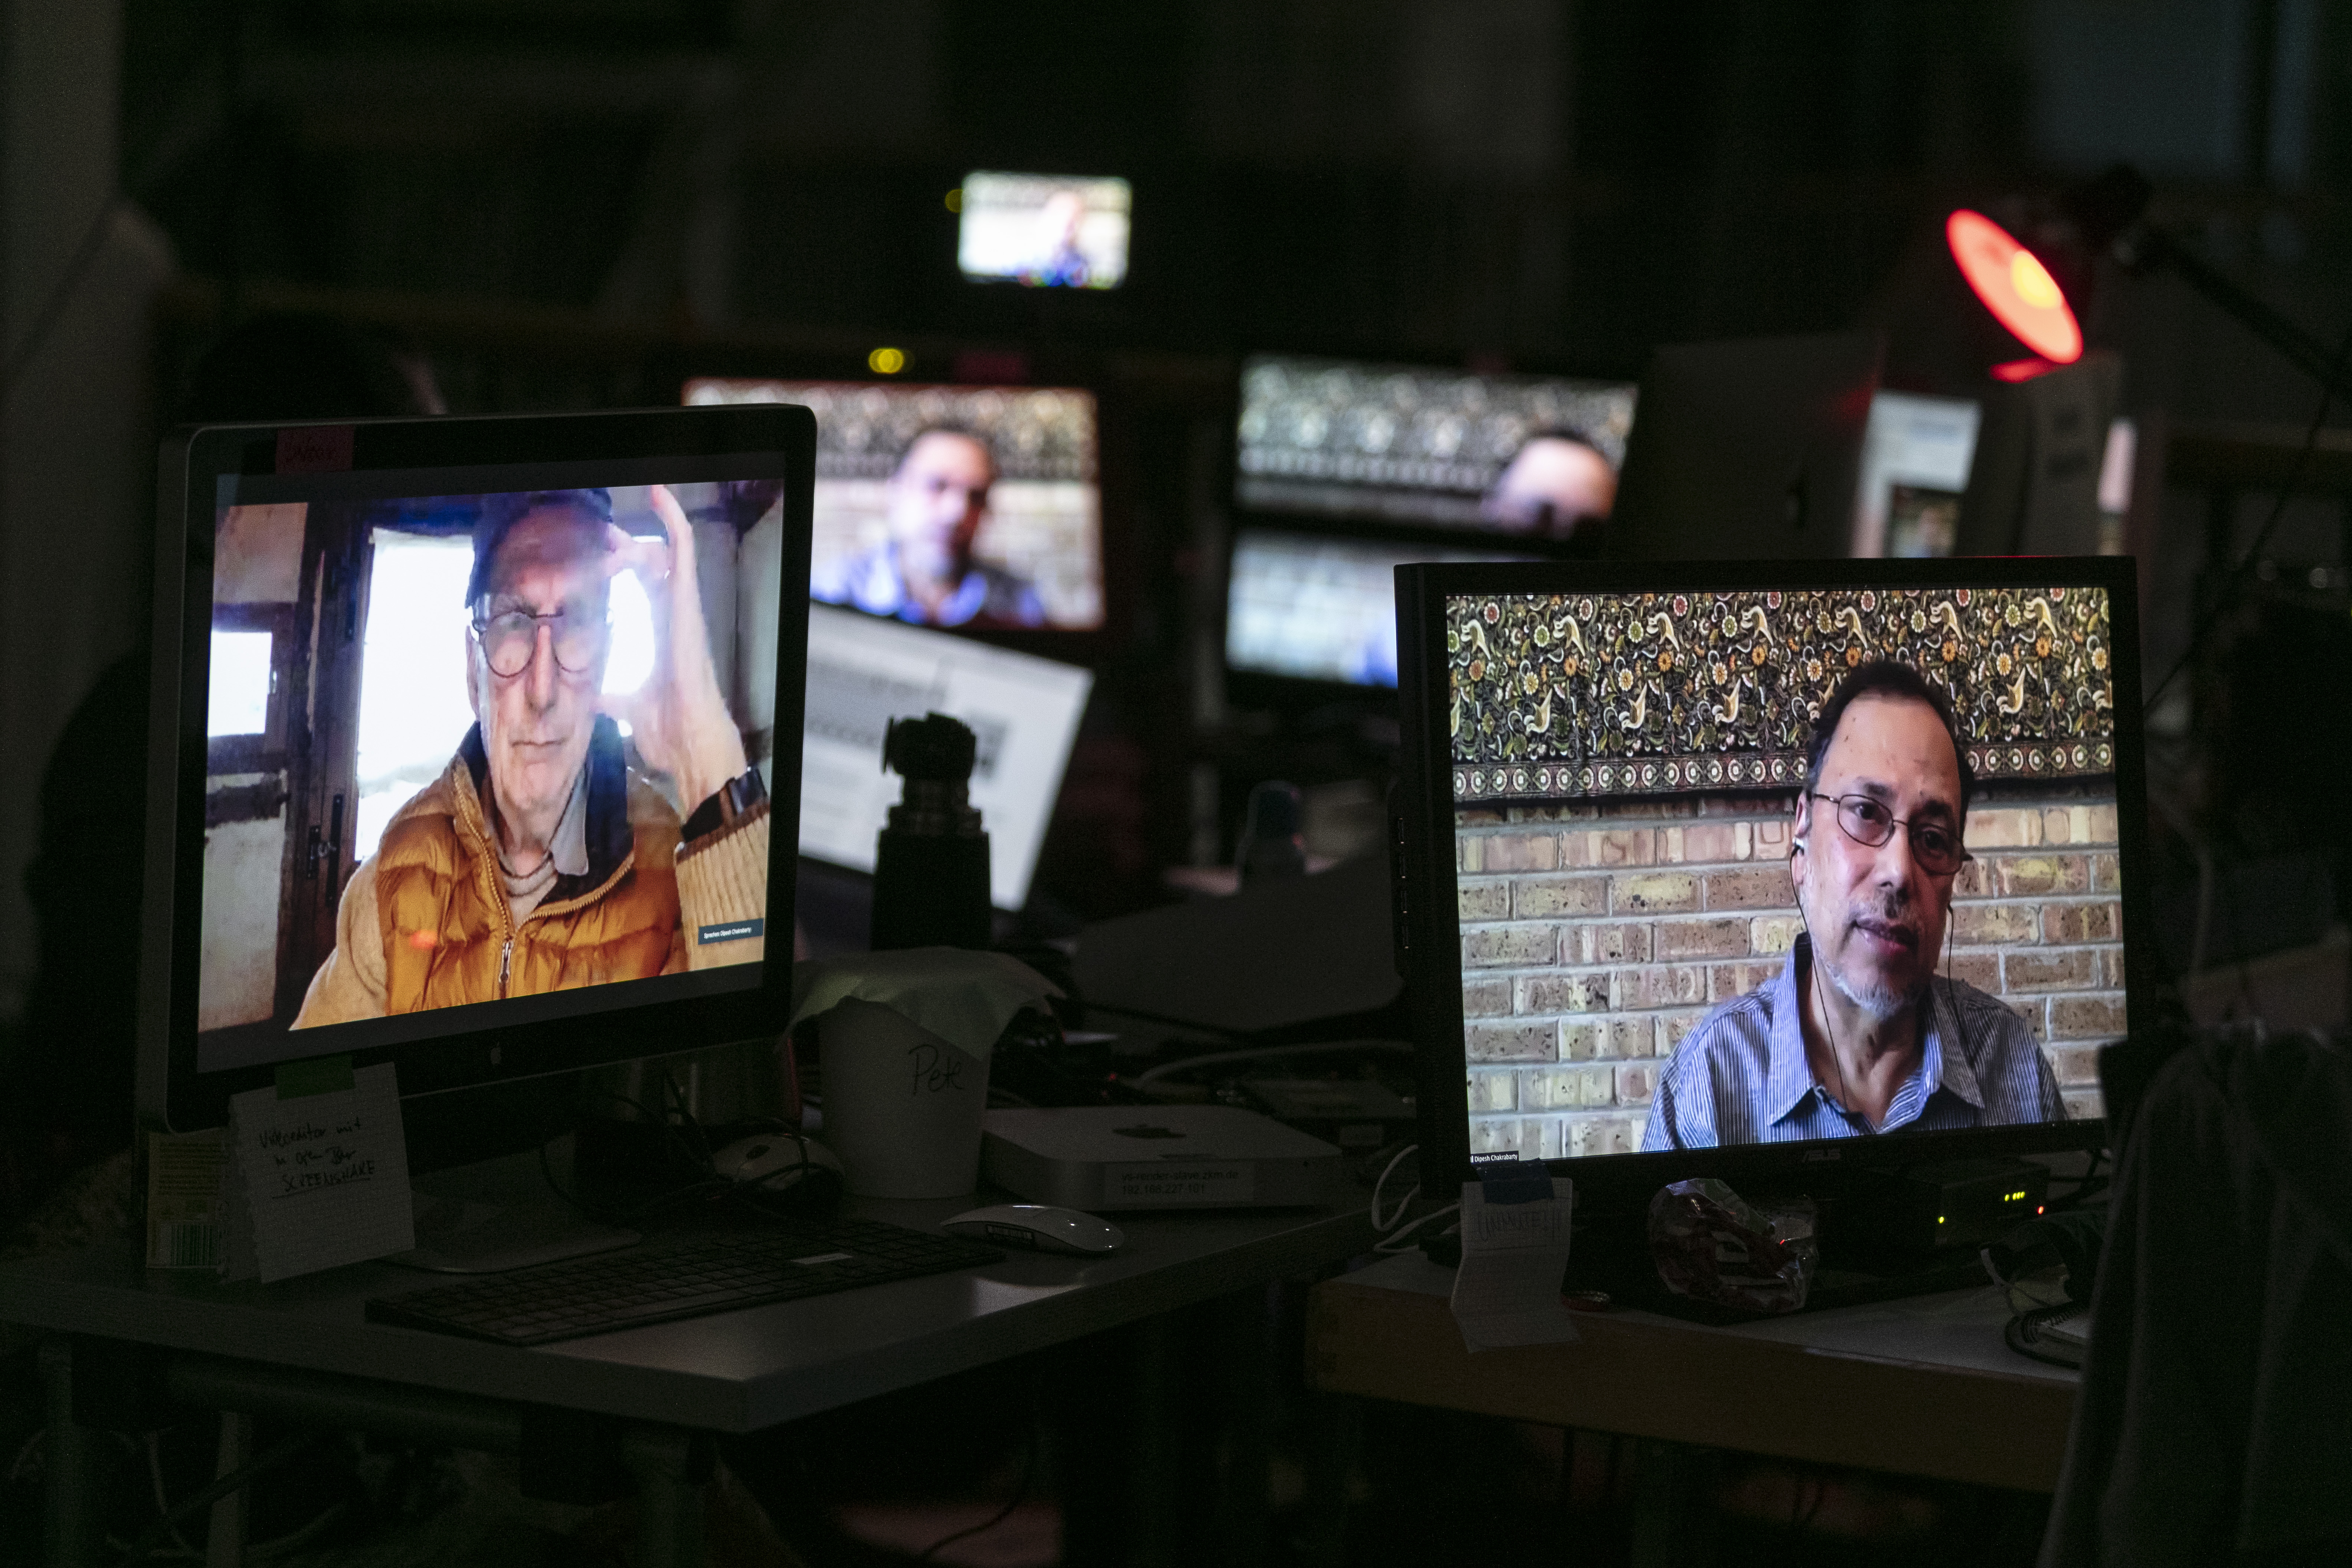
(1315, 607)
(966, 507)
(1513, 453)
(1048, 231)
(863, 673)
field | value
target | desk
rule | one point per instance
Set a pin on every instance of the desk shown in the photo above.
(1921, 1386)
(303, 1349)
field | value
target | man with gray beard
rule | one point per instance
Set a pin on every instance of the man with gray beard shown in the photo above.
(1857, 1034)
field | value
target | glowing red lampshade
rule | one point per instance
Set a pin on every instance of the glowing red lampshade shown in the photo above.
(2014, 286)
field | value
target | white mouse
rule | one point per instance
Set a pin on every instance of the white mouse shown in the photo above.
(1039, 1227)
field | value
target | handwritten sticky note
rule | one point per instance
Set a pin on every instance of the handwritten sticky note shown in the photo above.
(1506, 1291)
(317, 1179)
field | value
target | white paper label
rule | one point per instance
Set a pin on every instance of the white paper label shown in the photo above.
(1507, 1289)
(1175, 1182)
(319, 1180)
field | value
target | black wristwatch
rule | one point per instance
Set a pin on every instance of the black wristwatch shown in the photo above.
(728, 803)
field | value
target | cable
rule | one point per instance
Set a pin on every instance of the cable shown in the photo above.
(1390, 1231)
(2227, 596)
(25, 1452)
(1404, 1202)
(1267, 1053)
(236, 1480)
(1020, 1496)
(1394, 1242)
(21, 356)
(163, 1504)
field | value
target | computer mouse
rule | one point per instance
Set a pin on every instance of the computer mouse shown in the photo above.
(1040, 1228)
(775, 1163)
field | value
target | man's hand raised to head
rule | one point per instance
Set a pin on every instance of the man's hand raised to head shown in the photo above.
(678, 717)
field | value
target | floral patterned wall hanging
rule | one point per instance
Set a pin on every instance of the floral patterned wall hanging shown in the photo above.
(1563, 696)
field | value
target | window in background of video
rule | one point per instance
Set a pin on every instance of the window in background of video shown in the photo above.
(1053, 231)
(1511, 454)
(1317, 609)
(238, 698)
(894, 509)
(1624, 773)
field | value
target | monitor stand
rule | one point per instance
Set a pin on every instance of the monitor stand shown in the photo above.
(501, 1214)
(461, 1236)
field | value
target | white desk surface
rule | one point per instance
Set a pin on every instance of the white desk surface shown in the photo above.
(733, 1372)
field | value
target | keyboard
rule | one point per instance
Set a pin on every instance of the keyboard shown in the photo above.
(688, 1277)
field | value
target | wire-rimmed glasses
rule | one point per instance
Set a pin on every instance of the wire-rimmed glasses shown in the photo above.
(1866, 821)
(510, 638)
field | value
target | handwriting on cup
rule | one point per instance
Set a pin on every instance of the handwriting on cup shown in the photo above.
(934, 1069)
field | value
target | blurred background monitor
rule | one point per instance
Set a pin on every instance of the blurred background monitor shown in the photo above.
(1748, 450)
(864, 672)
(2040, 467)
(2052, 469)
(990, 488)
(1915, 470)
(1320, 607)
(1514, 454)
(1052, 231)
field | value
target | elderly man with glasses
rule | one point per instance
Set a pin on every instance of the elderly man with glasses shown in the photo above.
(1857, 1034)
(539, 861)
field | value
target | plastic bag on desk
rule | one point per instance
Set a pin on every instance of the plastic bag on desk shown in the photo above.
(1713, 1245)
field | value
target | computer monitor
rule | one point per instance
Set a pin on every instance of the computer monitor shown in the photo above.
(448, 765)
(969, 508)
(1320, 607)
(1510, 454)
(1611, 864)
(1914, 471)
(1049, 231)
(864, 672)
(1747, 450)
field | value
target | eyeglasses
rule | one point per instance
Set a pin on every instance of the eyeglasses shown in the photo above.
(510, 638)
(1869, 824)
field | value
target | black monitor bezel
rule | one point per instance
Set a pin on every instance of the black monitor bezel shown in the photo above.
(776, 440)
(1428, 922)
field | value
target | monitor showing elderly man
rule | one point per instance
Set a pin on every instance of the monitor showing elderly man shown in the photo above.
(554, 852)
(924, 568)
(1857, 1033)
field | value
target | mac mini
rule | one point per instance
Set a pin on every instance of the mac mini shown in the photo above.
(1157, 1157)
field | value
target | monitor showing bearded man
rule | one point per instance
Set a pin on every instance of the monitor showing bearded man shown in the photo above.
(553, 851)
(1856, 1033)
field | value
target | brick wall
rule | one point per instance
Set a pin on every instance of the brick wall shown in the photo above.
(1593, 936)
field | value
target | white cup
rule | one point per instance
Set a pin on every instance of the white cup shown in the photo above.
(902, 1107)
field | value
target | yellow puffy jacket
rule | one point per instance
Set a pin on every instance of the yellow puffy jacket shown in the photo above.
(425, 922)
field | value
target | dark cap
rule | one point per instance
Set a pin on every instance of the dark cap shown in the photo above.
(501, 511)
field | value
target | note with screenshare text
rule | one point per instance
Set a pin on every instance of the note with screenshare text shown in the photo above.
(317, 1175)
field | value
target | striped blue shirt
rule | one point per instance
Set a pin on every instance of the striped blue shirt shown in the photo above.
(1742, 1075)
